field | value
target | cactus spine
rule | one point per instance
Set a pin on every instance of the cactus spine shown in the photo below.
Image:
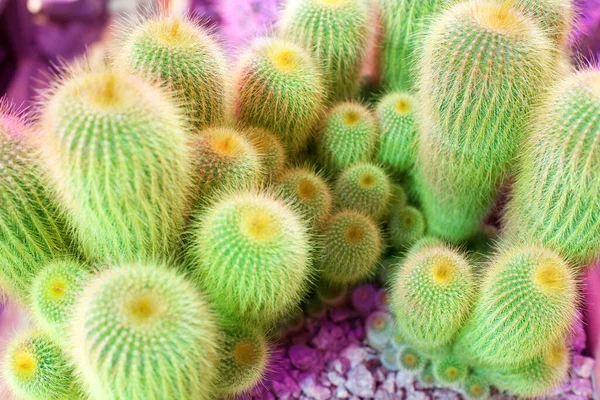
(527, 303)
(241, 249)
(336, 31)
(348, 136)
(449, 370)
(476, 386)
(118, 155)
(473, 108)
(181, 53)
(556, 196)
(271, 152)
(30, 226)
(396, 114)
(144, 332)
(278, 87)
(432, 295)
(554, 16)
(411, 360)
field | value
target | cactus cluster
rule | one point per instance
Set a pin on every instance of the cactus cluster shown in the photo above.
(163, 219)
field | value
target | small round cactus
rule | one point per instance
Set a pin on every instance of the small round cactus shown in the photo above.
(534, 377)
(364, 187)
(474, 108)
(397, 131)
(406, 225)
(432, 295)
(389, 359)
(35, 368)
(179, 52)
(527, 303)
(476, 387)
(336, 31)
(411, 360)
(278, 87)
(30, 225)
(244, 358)
(348, 136)
(427, 378)
(309, 192)
(242, 247)
(270, 150)
(118, 156)
(350, 248)
(143, 332)
(54, 293)
(450, 370)
(379, 328)
(556, 196)
(224, 160)
(399, 196)
(332, 294)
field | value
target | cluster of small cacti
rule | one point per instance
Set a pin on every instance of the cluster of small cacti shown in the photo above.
(164, 215)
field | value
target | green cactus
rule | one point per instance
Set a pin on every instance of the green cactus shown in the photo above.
(427, 378)
(402, 24)
(54, 293)
(309, 192)
(118, 155)
(556, 196)
(364, 187)
(554, 16)
(450, 370)
(476, 387)
(182, 53)
(399, 196)
(244, 358)
(30, 225)
(271, 152)
(348, 136)
(331, 294)
(278, 87)
(406, 225)
(397, 131)
(527, 303)
(141, 331)
(224, 159)
(35, 368)
(241, 249)
(473, 109)
(534, 377)
(337, 32)
(411, 360)
(350, 248)
(432, 295)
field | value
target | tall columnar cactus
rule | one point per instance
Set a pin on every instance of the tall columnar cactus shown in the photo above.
(309, 192)
(251, 254)
(244, 358)
(534, 377)
(183, 54)
(556, 196)
(403, 22)
(337, 32)
(396, 115)
(35, 368)
(473, 108)
(348, 136)
(450, 370)
(54, 293)
(406, 225)
(224, 159)
(364, 187)
(271, 152)
(118, 155)
(432, 295)
(30, 227)
(527, 303)
(144, 332)
(350, 248)
(554, 16)
(278, 87)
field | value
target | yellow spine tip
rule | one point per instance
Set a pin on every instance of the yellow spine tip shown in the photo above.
(285, 60)
(367, 181)
(403, 106)
(306, 190)
(58, 289)
(244, 353)
(442, 270)
(257, 225)
(550, 277)
(24, 364)
(351, 118)
(141, 309)
(354, 233)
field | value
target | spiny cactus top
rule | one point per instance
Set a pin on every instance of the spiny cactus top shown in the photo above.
(142, 332)
(450, 369)
(251, 254)
(337, 32)
(556, 197)
(473, 108)
(527, 303)
(278, 87)
(118, 155)
(432, 295)
(270, 150)
(554, 16)
(30, 228)
(181, 53)
(35, 368)
(348, 136)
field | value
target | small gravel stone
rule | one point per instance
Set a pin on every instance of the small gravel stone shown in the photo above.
(404, 379)
(560, 389)
(341, 393)
(335, 378)
(340, 314)
(285, 388)
(355, 354)
(312, 389)
(445, 394)
(417, 396)
(341, 365)
(302, 356)
(360, 382)
(583, 366)
(581, 386)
